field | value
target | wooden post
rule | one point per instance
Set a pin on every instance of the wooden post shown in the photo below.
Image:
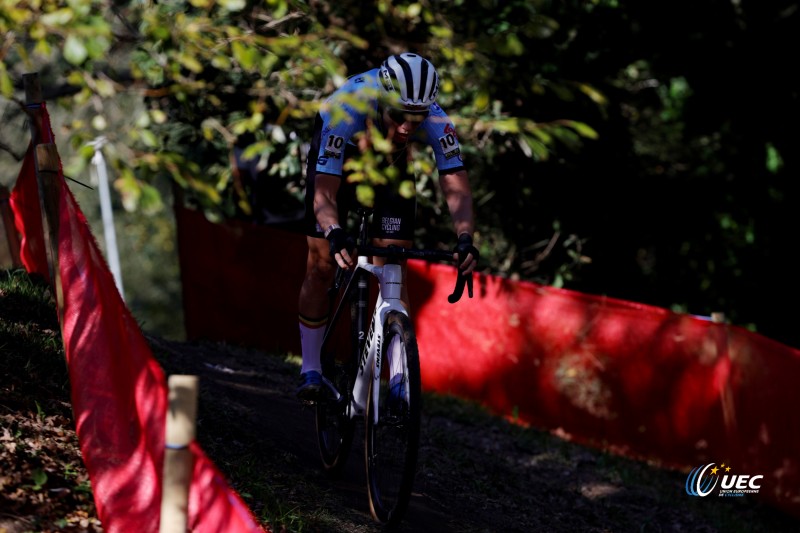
(33, 101)
(180, 432)
(33, 105)
(48, 165)
(12, 239)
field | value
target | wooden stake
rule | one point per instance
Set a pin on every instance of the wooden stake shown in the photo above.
(180, 432)
(33, 99)
(33, 103)
(48, 166)
(7, 219)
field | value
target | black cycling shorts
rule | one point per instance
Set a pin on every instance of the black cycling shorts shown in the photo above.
(393, 216)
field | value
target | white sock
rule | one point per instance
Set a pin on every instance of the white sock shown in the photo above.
(311, 344)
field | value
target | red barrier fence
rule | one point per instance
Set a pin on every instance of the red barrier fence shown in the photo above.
(635, 379)
(119, 393)
(28, 218)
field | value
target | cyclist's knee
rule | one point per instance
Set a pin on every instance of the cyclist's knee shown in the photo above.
(319, 265)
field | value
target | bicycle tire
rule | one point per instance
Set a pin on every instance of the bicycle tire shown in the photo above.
(391, 444)
(335, 427)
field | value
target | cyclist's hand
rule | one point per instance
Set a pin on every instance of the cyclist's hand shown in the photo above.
(342, 247)
(465, 254)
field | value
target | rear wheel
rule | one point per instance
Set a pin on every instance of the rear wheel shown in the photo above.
(393, 422)
(335, 428)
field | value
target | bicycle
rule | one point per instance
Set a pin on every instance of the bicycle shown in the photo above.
(378, 376)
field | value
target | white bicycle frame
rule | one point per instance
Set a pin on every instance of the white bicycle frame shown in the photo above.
(390, 282)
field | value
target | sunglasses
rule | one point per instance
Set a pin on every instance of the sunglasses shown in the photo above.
(401, 116)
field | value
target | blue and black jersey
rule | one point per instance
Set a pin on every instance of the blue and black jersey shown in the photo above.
(346, 113)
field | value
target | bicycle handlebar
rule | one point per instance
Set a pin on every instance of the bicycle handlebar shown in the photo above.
(399, 252)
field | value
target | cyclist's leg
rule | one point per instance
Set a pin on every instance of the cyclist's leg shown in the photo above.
(312, 305)
(313, 301)
(312, 311)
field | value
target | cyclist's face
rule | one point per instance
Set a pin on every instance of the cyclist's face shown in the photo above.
(401, 124)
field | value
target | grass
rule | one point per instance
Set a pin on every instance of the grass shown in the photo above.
(43, 483)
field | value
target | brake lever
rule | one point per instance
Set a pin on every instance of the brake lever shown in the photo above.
(461, 281)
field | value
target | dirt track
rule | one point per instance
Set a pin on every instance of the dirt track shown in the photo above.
(476, 473)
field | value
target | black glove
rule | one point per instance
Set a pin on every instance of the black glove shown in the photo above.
(465, 247)
(340, 240)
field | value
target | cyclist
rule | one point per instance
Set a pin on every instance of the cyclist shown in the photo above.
(398, 98)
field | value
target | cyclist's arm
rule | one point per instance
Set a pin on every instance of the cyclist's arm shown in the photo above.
(458, 195)
(326, 211)
(325, 208)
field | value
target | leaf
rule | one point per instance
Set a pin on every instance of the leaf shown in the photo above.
(513, 46)
(541, 134)
(97, 47)
(583, 129)
(279, 8)
(407, 189)
(278, 135)
(142, 120)
(535, 148)
(105, 88)
(158, 116)
(593, 93)
(6, 85)
(149, 138)
(481, 100)
(233, 5)
(543, 27)
(244, 55)
(150, 200)
(99, 122)
(256, 150)
(39, 478)
(510, 125)
(365, 194)
(190, 62)
(74, 50)
(221, 62)
(42, 48)
(59, 17)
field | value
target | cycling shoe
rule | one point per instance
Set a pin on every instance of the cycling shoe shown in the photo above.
(310, 388)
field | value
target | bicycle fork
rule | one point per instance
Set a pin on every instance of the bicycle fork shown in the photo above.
(390, 280)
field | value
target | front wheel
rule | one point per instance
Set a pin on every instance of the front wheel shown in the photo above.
(393, 422)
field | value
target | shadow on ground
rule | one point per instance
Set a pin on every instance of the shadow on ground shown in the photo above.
(477, 473)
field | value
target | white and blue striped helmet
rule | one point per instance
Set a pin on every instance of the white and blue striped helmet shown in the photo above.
(412, 78)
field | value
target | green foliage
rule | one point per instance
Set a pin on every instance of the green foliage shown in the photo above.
(194, 76)
(578, 122)
(198, 75)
